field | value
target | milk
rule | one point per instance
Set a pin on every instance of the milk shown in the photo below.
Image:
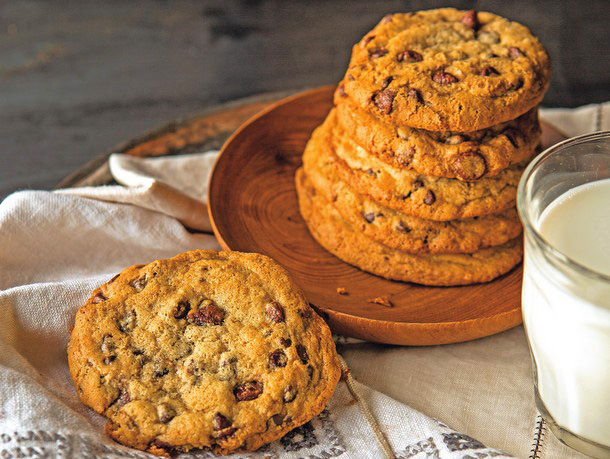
(566, 311)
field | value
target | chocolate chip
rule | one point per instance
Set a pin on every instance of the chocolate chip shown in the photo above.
(442, 77)
(207, 314)
(107, 345)
(139, 283)
(275, 312)
(286, 342)
(302, 353)
(128, 322)
(377, 52)
(371, 172)
(471, 20)
(160, 372)
(511, 135)
(403, 228)
(369, 217)
(182, 309)
(514, 52)
(310, 371)
(418, 184)
(387, 82)
(517, 84)
(430, 198)
(277, 419)
(220, 422)
(488, 71)
(98, 298)
(122, 399)
(278, 359)
(115, 277)
(306, 313)
(341, 90)
(415, 95)
(409, 55)
(383, 100)
(248, 391)
(404, 197)
(109, 359)
(289, 394)
(455, 139)
(165, 412)
(469, 165)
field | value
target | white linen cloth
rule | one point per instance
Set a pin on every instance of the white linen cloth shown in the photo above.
(56, 247)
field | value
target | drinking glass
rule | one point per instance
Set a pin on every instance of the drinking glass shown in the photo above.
(566, 305)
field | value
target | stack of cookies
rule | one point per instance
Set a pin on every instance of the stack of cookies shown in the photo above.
(413, 174)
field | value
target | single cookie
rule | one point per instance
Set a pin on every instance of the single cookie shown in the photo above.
(447, 70)
(465, 156)
(411, 234)
(350, 245)
(417, 195)
(208, 349)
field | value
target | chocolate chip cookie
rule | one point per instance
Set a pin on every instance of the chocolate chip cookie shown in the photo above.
(465, 156)
(417, 195)
(410, 234)
(350, 245)
(208, 349)
(447, 70)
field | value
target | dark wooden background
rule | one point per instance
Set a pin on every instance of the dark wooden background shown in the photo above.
(77, 77)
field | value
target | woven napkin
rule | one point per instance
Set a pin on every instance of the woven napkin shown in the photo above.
(56, 247)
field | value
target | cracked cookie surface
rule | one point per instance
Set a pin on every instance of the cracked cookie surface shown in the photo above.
(208, 349)
(447, 70)
(350, 245)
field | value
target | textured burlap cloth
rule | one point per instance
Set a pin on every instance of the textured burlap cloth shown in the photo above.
(469, 401)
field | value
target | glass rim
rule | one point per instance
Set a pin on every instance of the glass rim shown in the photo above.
(523, 200)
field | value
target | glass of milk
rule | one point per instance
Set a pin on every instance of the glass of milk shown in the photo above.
(564, 204)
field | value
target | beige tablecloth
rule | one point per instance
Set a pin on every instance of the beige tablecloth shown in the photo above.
(57, 247)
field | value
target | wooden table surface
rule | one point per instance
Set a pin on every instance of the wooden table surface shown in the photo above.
(77, 78)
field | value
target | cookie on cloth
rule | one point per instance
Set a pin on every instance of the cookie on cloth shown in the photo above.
(350, 245)
(215, 350)
(447, 70)
(465, 156)
(411, 234)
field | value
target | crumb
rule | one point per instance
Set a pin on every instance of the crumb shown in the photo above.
(341, 291)
(382, 300)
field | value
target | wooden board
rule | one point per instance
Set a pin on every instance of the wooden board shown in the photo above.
(253, 208)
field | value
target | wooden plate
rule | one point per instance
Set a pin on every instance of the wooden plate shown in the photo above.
(253, 208)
